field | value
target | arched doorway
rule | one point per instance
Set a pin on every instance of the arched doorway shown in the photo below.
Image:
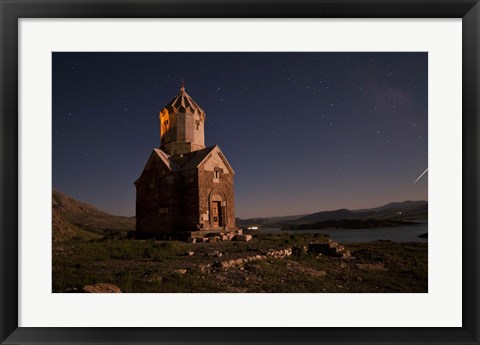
(217, 205)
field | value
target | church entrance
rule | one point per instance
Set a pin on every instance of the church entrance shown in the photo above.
(217, 206)
(217, 214)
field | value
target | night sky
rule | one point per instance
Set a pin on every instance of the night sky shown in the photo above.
(304, 132)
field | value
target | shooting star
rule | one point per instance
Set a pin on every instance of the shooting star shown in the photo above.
(420, 176)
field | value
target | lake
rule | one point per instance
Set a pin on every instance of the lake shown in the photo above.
(407, 233)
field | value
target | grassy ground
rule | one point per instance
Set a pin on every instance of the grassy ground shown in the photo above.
(150, 266)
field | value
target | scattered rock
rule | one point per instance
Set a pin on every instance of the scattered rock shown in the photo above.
(72, 290)
(102, 288)
(279, 254)
(215, 253)
(238, 262)
(155, 279)
(191, 240)
(329, 248)
(243, 238)
(181, 271)
(205, 267)
(190, 253)
(201, 239)
(214, 239)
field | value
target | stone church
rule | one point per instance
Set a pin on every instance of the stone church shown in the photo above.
(185, 186)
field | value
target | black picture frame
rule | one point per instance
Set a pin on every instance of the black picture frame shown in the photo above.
(11, 11)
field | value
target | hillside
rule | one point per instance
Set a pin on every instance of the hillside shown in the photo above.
(265, 221)
(63, 230)
(326, 215)
(260, 265)
(395, 211)
(73, 218)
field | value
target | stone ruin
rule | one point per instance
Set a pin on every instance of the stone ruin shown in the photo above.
(220, 236)
(329, 248)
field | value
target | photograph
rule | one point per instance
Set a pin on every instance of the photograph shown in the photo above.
(240, 172)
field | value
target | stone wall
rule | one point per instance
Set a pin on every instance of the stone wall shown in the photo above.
(182, 201)
(190, 201)
(223, 185)
(158, 202)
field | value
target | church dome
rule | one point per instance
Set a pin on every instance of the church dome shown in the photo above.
(183, 103)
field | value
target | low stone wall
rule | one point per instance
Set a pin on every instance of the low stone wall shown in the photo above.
(226, 264)
(329, 248)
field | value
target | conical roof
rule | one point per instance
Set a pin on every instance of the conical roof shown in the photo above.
(183, 103)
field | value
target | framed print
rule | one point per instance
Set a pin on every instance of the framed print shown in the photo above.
(232, 172)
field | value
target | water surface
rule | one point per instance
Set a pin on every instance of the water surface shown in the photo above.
(407, 233)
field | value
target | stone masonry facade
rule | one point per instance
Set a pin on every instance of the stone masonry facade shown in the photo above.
(185, 186)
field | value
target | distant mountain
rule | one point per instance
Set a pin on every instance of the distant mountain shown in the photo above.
(75, 219)
(72, 218)
(262, 221)
(348, 224)
(404, 205)
(395, 211)
(327, 215)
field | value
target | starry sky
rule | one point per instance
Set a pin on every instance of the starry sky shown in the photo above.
(304, 132)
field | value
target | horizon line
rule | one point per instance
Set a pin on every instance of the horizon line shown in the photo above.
(245, 218)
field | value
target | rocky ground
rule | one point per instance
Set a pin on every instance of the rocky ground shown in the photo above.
(268, 263)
